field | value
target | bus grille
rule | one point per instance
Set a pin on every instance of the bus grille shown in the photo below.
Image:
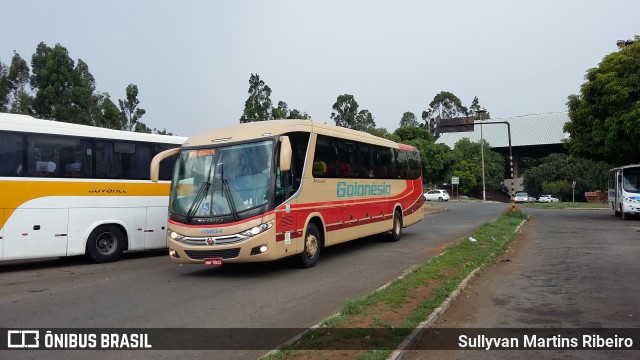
(204, 254)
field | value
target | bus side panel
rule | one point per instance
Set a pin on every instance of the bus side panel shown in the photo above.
(155, 232)
(82, 221)
(32, 233)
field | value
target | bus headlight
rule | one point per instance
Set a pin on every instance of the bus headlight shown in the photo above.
(258, 229)
(175, 236)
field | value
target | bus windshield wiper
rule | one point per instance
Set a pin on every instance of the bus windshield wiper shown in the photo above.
(202, 192)
(226, 192)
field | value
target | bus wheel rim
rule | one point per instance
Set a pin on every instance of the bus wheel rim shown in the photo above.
(106, 244)
(311, 246)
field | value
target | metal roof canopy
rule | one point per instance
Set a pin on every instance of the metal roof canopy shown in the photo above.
(526, 130)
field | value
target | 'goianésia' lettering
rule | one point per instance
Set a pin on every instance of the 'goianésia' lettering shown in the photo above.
(351, 190)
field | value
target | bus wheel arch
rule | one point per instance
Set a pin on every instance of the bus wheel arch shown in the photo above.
(106, 243)
(396, 227)
(313, 242)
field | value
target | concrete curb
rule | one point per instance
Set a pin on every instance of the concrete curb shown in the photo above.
(399, 353)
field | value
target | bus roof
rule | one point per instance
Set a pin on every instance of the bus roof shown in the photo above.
(626, 167)
(268, 128)
(25, 123)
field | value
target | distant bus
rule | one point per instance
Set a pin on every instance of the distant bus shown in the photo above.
(624, 190)
(268, 190)
(71, 189)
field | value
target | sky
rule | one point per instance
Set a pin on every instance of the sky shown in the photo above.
(192, 60)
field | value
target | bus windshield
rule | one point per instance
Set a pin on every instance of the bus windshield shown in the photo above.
(221, 180)
(631, 181)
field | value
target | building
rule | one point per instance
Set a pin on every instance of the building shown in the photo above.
(536, 135)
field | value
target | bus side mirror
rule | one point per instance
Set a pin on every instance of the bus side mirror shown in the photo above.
(285, 153)
(155, 162)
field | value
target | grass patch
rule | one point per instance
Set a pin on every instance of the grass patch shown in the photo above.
(567, 205)
(372, 326)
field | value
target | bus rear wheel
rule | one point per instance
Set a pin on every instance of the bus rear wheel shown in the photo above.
(312, 244)
(105, 244)
(396, 230)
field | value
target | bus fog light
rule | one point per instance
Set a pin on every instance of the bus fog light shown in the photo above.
(263, 248)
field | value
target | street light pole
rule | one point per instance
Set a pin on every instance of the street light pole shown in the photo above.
(484, 192)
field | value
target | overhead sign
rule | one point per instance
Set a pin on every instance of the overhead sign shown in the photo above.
(459, 124)
(455, 180)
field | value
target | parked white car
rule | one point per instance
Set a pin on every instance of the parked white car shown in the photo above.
(547, 199)
(436, 195)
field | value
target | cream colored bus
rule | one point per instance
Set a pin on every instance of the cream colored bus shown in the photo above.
(268, 190)
(71, 189)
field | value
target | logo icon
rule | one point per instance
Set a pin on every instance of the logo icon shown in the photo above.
(23, 339)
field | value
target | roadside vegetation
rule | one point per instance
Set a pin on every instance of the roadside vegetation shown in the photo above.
(567, 205)
(372, 326)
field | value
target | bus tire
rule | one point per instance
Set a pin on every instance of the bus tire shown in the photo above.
(396, 230)
(105, 244)
(312, 245)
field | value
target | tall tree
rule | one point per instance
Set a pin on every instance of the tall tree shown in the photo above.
(52, 73)
(345, 111)
(14, 79)
(445, 105)
(297, 114)
(364, 121)
(605, 117)
(467, 166)
(409, 119)
(280, 112)
(258, 106)
(478, 112)
(130, 110)
(283, 112)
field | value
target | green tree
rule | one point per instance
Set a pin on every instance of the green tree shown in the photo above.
(297, 114)
(478, 112)
(409, 119)
(444, 105)
(364, 121)
(468, 163)
(379, 132)
(437, 159)
(112, 117)
(280, 112)
(407, 133)
(283, 112)
(13, 82)
(258, 106)
(589, 175)
(605, 117)
(64, 91)
(52, 81)
(345, 111)
(560, 188)
(130, 110)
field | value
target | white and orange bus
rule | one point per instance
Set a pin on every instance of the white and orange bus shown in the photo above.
(267, 190)
(71, 189)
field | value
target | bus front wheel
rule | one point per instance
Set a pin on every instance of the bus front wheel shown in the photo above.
(396, 230)
(312, 244)
(105, 244)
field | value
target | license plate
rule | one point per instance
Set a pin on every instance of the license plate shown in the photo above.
(213, 261)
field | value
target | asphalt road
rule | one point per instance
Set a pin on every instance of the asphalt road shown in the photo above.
(148, 291)
(567, 269)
